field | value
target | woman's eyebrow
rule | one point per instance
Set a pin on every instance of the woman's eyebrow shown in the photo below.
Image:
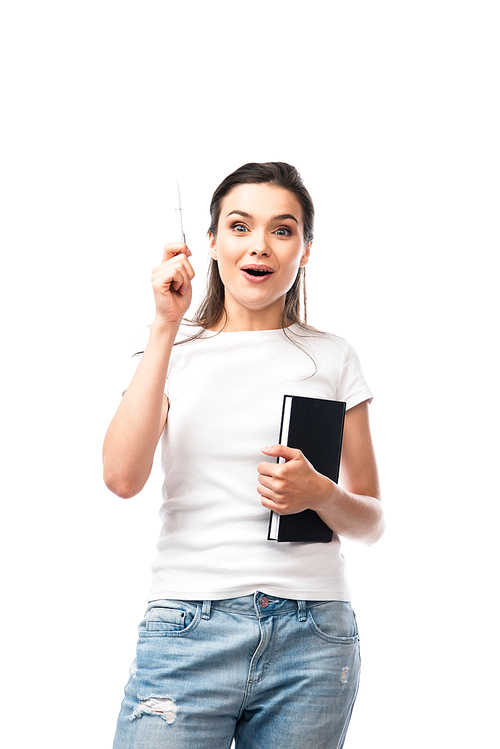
(240, 213)
(281, 217)
(284, 216)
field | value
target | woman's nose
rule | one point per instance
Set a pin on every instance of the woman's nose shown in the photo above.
(264, 252)
(260, 245)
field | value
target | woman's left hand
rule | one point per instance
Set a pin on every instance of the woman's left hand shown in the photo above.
(292, 486)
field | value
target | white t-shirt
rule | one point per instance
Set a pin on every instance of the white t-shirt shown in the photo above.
(226, 395)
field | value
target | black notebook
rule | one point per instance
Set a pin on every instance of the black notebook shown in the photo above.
(314, 426)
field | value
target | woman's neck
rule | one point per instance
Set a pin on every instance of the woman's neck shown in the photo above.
(231, 323)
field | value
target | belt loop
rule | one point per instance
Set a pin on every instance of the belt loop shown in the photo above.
(205, 612)
(302, 611)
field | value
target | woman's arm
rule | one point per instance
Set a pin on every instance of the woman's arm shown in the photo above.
(353, 510)
(132, 436)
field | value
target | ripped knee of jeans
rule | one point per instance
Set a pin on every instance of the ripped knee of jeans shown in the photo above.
(164, 707)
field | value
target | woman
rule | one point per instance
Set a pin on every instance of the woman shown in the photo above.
(243, 637)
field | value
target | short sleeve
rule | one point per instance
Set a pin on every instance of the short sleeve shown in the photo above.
(352, 386)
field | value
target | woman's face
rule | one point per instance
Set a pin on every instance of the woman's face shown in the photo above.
(259, 248)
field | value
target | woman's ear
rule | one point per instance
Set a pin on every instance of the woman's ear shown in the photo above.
(213, 248)
(305, 257)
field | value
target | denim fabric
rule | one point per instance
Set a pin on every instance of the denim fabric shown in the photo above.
(269, 672)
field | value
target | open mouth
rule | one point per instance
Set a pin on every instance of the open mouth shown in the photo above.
(256, 272)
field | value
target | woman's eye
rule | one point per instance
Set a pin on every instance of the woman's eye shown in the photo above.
(283, 232)
(240, 228)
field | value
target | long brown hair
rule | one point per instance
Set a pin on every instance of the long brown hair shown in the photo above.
(277, 173)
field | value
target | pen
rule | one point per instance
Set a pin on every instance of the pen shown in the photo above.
(180, 212)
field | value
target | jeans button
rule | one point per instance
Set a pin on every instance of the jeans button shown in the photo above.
(264, 602)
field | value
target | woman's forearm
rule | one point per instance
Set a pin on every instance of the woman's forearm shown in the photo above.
(354, 516)
(133, 434)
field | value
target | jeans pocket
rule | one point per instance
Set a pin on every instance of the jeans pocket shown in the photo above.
(170, 618)
(334, 621)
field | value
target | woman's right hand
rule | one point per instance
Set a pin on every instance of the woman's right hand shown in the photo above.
(172, 283)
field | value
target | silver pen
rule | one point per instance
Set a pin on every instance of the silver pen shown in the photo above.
(180, 212)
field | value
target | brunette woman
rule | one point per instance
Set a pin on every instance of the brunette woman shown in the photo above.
(243, 638)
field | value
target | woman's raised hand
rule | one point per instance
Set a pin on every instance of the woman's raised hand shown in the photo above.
(172, 283)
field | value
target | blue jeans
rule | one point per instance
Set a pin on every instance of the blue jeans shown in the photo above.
(269, 672)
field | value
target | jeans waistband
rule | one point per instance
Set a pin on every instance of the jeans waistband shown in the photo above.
(259, 604)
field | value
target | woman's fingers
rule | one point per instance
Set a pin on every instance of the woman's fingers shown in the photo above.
(180, 280)
(172, 280)
(175, 248)
(176, 271)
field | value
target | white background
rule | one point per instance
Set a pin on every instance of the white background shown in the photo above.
(390, 111)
